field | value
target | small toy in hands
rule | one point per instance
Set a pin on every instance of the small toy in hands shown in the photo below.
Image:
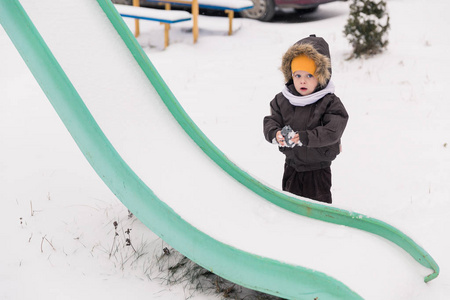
(288, 134)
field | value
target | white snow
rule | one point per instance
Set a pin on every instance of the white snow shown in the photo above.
(153, 13)
(57, 215)
(233, 4)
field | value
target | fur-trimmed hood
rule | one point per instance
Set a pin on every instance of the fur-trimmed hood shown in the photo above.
(315, 48)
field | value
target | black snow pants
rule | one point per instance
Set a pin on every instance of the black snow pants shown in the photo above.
(314, 185)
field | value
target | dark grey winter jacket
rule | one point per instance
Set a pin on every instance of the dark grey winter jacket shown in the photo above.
(320, 125)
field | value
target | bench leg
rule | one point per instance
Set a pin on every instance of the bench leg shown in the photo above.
(137, 30)
(230, 18)
(166, 35)
(167, 6)
(195, 13)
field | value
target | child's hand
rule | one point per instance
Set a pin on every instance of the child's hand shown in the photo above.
(280, 139)
(296, 139)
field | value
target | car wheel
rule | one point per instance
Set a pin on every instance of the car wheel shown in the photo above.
(262, 10)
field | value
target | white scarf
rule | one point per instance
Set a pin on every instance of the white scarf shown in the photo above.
(308, 99)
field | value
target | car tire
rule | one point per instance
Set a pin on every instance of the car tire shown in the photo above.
(262, 10)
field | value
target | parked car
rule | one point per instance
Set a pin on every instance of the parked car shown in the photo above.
(264, 10)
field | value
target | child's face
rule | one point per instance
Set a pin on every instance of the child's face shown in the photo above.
(304, 82)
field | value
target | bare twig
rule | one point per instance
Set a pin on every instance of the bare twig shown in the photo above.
(113, 244)
(128, 240)
(42, 242)
(115, 224)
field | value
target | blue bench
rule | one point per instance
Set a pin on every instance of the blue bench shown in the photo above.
(166, 17)
(229, 6)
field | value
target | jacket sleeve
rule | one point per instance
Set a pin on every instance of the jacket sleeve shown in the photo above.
(273, 122)
(333, 122)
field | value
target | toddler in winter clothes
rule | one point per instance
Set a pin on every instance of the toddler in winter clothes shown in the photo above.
(307, 120)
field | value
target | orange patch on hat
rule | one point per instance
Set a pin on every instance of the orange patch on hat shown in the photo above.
(303, 63)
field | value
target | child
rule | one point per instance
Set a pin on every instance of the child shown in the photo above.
(307, 120)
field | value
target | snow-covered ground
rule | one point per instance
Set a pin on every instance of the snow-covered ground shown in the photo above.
(57, 216)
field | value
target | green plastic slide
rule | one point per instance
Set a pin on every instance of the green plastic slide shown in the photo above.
(313, 210)
(255, 272)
